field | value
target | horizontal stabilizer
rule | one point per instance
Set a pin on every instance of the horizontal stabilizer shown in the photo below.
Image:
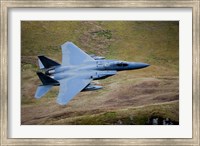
(46, 80)
(42, 90)
(40, 64)
(45, 62)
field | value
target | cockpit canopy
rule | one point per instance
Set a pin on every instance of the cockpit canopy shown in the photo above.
(122, 64)
(116, 64)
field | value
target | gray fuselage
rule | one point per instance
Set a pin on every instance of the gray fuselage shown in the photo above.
(98, 69)
(77, 72)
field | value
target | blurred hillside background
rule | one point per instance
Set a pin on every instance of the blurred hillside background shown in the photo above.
(135, 97)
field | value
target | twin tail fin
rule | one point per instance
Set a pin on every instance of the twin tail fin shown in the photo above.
(47, 84)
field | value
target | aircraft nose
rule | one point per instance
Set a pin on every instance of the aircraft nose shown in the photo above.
(138, 65)
(144, 65)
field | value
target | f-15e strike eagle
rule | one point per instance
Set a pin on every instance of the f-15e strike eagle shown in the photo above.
(77, 71)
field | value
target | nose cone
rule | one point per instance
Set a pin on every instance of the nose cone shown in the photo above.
(138, 65)
(143, 65)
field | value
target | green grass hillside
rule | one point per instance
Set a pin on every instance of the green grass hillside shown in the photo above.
(131, 97)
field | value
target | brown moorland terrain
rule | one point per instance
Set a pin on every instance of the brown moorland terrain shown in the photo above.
(130, 97)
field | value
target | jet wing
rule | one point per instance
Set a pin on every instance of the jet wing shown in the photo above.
(73, 55)
(70, 87)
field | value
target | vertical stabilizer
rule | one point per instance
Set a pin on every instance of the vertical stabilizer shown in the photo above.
(46, 80)
(45, 62)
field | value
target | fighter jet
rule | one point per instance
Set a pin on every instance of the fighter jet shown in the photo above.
(77, 71)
